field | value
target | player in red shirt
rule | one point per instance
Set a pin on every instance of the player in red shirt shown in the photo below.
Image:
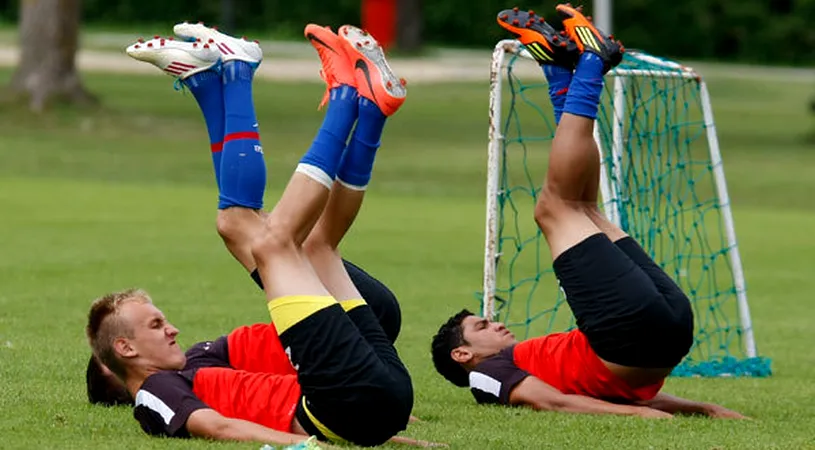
(345, 382)
(634, 324)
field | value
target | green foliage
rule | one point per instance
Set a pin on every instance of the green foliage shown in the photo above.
(748, 31)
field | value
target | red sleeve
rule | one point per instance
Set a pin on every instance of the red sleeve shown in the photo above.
(492, 380)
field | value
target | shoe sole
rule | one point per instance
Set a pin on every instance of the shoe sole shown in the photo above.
(223, 42)
(366, 47)
(517, 22)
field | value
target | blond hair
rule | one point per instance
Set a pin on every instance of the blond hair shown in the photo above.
(105, 325)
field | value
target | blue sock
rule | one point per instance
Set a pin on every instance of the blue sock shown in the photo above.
(208, 91)
(323, 157)
(358, 159)
(583, 98)
(559, 79)
(243, 170)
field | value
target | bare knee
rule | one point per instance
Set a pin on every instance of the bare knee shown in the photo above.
(272, 242)
(316, 245)
(238, 224)
(547, 209)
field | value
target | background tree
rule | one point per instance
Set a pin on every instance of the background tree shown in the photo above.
(49, 38)
(409, 25)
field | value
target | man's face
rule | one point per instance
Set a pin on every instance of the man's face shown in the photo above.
(153, 344)
(484, 339)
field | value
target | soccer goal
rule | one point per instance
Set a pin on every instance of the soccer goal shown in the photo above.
(662, 181)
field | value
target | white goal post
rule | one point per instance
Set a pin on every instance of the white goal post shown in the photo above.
(609, 188)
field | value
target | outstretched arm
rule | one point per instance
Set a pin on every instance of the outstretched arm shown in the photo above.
(676, 405)
(538, 395)
(209, 424)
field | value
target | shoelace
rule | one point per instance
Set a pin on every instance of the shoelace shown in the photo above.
(329, 82)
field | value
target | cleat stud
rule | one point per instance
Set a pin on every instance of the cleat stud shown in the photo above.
(359, 44)
(562, 33)
(215, 28)
(345, 31)
(149, 44)
(563, 44)
(505, 17)
(515, 9)
(256, 41)
(588, 18)
(403, 81)
(541, 19)
(515, 22)
(200, 22)
(211, 41)
(194, 45)
(555, 39)
(206, 45)
(531, 13)
(140, 41)
(170, 38)
(389, 85)
(137, 46)
(156, 37)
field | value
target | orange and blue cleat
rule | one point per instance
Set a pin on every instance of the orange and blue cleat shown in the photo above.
(544, 43)
(588, 38)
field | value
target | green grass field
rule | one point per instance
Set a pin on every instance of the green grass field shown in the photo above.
(96, 201)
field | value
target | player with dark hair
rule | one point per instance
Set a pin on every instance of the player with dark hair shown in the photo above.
(634, 324)
(342, 380)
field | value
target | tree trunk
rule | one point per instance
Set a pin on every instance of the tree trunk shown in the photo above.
(49, 37)
(409, 25)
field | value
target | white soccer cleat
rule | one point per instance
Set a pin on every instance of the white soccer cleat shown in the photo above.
(176, 58)
(231, 48)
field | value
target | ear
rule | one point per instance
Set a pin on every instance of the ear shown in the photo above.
(124, 348)
(461, 355)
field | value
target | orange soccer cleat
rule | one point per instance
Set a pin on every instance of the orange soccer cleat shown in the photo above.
(542, 41)
(374, 78)
(588, 38)
(337, 66)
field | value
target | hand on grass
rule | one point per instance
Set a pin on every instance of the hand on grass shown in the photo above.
(720, 412)
(651, 413)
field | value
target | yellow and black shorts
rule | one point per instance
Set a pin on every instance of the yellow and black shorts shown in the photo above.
(355, 388)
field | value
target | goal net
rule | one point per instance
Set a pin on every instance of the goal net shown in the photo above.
(662, 181)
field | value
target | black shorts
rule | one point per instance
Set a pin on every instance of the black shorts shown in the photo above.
(631, 311)
(381, 299)
(355, 388)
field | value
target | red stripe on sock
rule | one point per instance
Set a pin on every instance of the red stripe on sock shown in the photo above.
(216, 147)
(242, 135)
